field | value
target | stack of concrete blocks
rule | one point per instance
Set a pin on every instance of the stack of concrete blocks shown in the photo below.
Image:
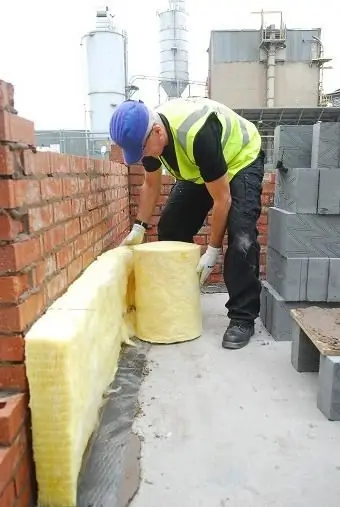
(303, 257)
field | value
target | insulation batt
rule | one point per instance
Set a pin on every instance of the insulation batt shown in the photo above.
(72, 354)
(167, 292)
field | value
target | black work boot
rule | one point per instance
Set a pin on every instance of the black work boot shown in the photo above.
(238, 334)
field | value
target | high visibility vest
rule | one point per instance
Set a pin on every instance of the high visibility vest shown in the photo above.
(241, 141)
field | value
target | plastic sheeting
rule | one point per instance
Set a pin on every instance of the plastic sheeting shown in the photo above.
(102, 478)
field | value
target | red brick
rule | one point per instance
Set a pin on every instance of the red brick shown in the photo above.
(116, 154)
(78, 206)
(269, 177)
(64, 256)
(16, 318)
(88, 257)
(12, 348)
(7, 497)
(44, 270)
(62, 211)
(37, 163)
(70, 186)
(53, 238)
(13, 413)
(16, 256)
(40, 218)
(25, 498)
(80, 245)
(23, 474)
(9, 228)
(10, 457)
(12, 287)
(6, 96)
(86, 222)
(78, 165)
(51, 188)
(7, 166)
(263, 220)
(59, 163)
(72, 229)
(57, 285)
(16, 193)
(84, 185)
(12, 377)
(74, 269)
(16, 129)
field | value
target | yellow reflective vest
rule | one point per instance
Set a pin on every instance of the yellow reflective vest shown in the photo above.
(240, 138)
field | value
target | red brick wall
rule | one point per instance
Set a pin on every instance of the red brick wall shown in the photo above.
(57, 213)
(135, 181)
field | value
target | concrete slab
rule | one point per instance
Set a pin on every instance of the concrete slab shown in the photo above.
(326, 145)
(293, 145)
(224, 428)
(301, 235)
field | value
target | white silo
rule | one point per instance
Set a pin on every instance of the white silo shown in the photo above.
(173, 39)
(106, 51)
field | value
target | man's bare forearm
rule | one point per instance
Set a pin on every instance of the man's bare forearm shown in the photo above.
(219, 220)
(147, 201)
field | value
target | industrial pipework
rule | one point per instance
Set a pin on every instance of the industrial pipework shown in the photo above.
(272, 39)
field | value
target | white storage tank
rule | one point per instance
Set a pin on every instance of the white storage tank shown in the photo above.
(106, 51)
(173, 39)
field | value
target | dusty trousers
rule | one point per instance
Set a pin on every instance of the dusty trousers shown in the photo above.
(184, 214)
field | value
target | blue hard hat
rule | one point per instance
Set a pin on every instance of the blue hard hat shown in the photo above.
(129, 127)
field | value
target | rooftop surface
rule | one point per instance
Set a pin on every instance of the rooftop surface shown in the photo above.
(222, 428)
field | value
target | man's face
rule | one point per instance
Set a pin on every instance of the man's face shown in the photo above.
(155, 142)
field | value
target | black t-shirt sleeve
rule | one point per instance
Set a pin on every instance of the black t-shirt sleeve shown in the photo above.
(151, 164)
(208, 151)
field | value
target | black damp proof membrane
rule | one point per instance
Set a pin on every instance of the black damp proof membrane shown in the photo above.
(110, 472)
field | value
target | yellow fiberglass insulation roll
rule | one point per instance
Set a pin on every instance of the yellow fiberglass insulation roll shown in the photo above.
(167, 293)
(72, 352)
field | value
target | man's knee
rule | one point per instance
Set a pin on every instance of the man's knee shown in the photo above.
(166, 231)
(243, 241)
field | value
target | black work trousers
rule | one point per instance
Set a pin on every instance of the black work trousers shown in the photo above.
(184, 214)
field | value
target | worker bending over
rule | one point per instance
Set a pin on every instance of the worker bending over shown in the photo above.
(216, 159)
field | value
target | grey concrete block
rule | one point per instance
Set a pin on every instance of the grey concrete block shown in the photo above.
(263, 305)
(304, 278)
(328, 399)
(329, 192)
(317, 279)
(297, 190)
(288, 276)
(333, 290)
(325, 145)
(278, 318)
(302, 235)
(305, 357)
(293, 145)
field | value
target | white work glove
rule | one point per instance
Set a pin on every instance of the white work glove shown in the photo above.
(207, 262)
(135, 237)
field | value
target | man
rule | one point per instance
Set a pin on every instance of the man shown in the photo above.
(216, 158)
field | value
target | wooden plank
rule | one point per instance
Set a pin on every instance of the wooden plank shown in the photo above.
(322, 326)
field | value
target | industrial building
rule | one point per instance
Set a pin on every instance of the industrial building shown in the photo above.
(270, 67)
(271, 76)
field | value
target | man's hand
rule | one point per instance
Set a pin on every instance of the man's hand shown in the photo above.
(135, 237)
(207, 263)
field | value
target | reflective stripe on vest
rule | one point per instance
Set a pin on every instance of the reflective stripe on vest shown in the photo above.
(184, 132)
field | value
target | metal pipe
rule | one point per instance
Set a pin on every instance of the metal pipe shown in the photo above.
(271, 75)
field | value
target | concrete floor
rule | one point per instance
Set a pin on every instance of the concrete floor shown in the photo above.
(240, 428)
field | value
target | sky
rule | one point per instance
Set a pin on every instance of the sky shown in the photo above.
(42, 56)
